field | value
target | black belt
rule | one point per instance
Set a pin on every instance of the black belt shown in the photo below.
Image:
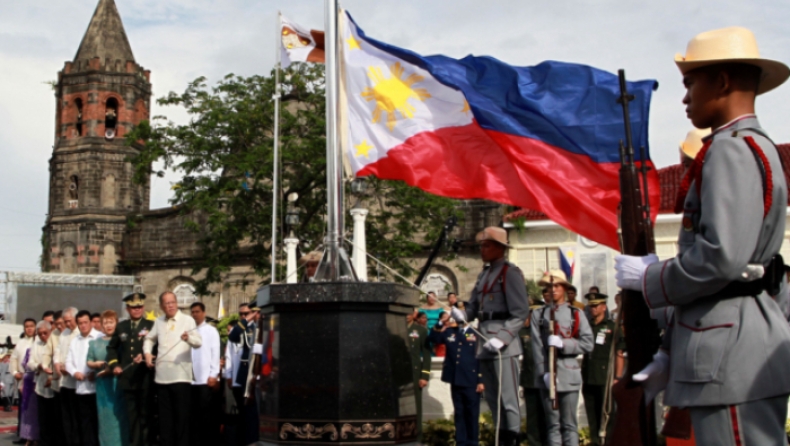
(770, 282)
(493, 316)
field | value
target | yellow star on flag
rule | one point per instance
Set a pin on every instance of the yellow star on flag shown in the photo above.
(363, 148)
(466, 108)
(352, 43)
(150, 315)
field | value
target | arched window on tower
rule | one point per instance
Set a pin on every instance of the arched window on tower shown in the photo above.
(73, 195)
(111, 118)
(78, 106)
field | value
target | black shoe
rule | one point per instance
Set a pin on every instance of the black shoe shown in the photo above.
(508, 438)
(20, 441)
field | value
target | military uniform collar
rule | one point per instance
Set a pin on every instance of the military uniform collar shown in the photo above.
(497, 263)
(747, 121)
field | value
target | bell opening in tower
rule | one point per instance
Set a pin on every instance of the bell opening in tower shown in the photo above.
(78, 125)
(111, 118)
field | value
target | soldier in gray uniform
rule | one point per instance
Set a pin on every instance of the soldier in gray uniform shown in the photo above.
(499, 300)
(726, 352)
(571, 336)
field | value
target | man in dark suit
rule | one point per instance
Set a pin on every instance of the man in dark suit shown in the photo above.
(125, 356)
(461, 370)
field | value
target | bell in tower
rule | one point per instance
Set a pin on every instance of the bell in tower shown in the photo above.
(101, 94)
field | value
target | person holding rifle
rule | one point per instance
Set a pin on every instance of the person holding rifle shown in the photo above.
(499, 300)
(243, 334)
(570, 335)
(726, 351)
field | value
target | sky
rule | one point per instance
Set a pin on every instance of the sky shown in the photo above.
(180, 40)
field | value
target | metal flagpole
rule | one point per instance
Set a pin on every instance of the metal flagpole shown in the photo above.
(335, 264)
(275, 177)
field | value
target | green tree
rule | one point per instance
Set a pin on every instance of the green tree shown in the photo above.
(225, 154)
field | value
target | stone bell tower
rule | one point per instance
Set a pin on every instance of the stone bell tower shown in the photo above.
(100, 96)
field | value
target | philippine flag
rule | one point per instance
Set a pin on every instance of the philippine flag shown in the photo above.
(543, 137)
(568, 261)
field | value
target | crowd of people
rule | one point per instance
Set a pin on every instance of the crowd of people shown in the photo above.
(92, 379)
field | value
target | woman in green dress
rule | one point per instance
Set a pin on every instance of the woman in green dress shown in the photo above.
(113, 425)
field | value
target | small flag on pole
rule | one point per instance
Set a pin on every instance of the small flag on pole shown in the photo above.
(568, 261)
(300, 44)
(221, 313)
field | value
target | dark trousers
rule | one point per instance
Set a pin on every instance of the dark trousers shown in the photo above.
(68, 411)
(247, 431)
(174, 404)
(49, 422)
(536, 418)
(200, 418)
(593, 405)
(88, 419)
(137, 410)
(466, 405)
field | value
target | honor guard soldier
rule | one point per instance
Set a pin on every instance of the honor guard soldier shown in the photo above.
(571, 336)
(244, 335)
(310, 262)
(533, 404)
(461, 370)
(595, 366)
(499, 301)
(125, 358)
(725, 355)
(420, 363)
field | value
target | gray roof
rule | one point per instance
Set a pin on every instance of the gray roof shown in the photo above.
(105, 37)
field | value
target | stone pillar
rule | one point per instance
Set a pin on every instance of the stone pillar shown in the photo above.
(290, 251)
(358, 254)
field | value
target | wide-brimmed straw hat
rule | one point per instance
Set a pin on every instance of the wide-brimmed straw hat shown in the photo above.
(555, 276)
(732, 45)
(493, 233)
(314, 256)
(693, 142)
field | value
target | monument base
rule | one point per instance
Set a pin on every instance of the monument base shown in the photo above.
(340, 370)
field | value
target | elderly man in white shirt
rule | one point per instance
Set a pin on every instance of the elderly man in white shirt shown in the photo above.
(176, 334)
(41, 364)
(77, 367)
(205, 365)
(68, 395)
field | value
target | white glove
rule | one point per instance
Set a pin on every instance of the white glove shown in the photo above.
(458, 315)
(631, 269)
(547, 380)
(655, 376)
(493, 345)
(555, 341)
(257, 349)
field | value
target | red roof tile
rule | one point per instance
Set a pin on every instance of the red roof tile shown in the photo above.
(669, 178)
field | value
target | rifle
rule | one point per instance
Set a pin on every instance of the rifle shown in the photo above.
(635, 423)
(254, 371)
(448, 228)
(555, 404)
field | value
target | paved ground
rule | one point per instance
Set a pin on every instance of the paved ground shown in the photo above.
(8, 421)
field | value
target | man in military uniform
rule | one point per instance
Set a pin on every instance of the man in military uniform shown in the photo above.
(499, 301)
(595, 367)
(244, 335)
(310, 262)
(726, 353)
(125, 357)
(420, 364)
(461, 370)
(571, 336)
(536, 417)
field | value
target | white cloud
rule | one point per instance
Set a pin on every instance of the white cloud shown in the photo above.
(179, 40)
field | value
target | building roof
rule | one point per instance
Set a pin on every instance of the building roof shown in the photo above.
(105, 37)
(669, 178)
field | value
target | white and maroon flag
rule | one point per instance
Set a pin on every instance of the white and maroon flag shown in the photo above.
(300, 44)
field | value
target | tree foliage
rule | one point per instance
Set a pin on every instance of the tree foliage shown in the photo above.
(225, 154)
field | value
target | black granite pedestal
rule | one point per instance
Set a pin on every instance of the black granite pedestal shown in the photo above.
(341, 369)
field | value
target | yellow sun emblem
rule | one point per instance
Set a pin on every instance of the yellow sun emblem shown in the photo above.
(393, 94)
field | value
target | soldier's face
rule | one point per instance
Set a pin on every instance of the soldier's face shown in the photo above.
(135, 312)
(597, 310)
(311, 268)
(704, 99)
(559, 293)
(491, 251)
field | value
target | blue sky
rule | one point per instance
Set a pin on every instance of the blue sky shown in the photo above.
(179, 40)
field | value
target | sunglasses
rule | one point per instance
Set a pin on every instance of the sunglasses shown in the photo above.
(246, 313)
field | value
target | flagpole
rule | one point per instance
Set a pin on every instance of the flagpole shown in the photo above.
(335, 265)
(275, 178)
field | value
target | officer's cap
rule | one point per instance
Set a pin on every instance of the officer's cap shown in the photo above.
(135, 300)
(254, 306)
(595, 299)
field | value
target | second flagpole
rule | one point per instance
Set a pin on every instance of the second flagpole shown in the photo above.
(275, 176)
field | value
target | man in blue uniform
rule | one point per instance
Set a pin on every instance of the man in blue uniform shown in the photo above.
(461, 370)
(244, 335)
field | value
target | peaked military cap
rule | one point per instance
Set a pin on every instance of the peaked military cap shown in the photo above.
(135, 300)
(254, 305)
(595, 298)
